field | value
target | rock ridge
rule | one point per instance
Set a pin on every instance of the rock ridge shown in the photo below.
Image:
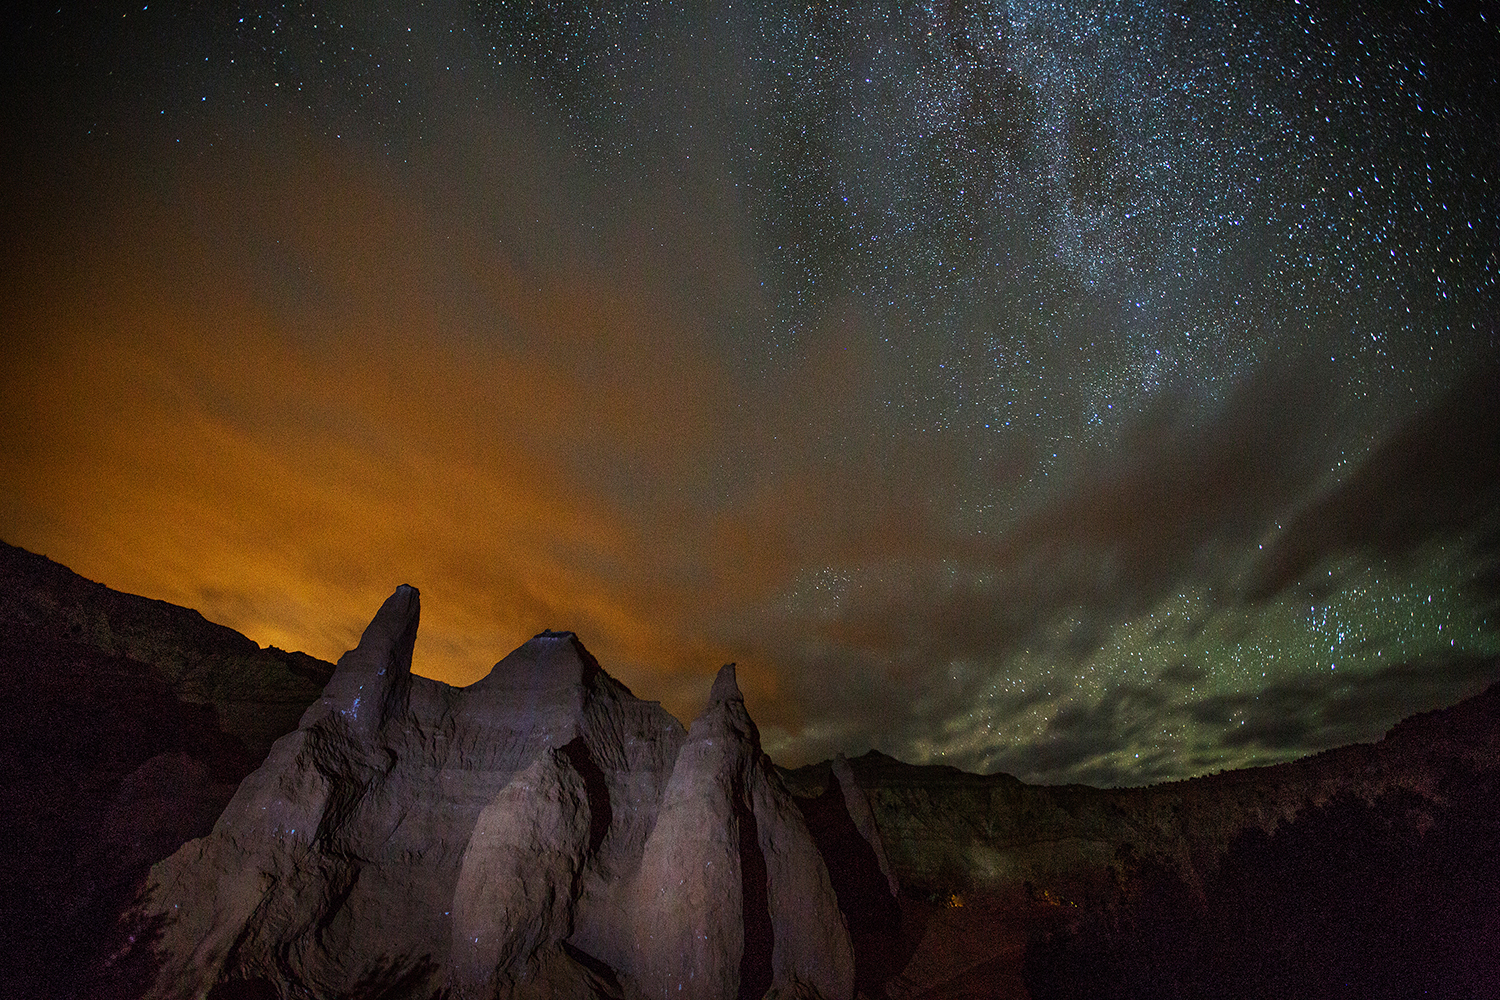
(128, 722)
(539, 833)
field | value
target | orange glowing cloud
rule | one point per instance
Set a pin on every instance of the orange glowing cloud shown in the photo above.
(280, 452)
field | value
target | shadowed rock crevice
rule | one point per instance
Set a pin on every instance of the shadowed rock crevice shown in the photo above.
(601, 814)
(596, 968)
(338, 890)
(759, 936)
(862, 887)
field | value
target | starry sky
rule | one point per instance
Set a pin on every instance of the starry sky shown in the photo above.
(1093, 392)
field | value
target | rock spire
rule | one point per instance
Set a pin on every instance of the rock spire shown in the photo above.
(540, 833)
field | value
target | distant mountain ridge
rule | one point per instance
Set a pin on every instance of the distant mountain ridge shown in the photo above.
(1370, 870)
(1189, 823)
(258, 694)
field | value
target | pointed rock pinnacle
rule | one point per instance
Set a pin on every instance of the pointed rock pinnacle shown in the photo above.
(725, 687)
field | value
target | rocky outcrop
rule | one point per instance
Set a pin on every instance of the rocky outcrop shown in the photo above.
(1374, 864)
(254, 695)
(732, 898)
(539, 833)
(947, 831)
(128, 724)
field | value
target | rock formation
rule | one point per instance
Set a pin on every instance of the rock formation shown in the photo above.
(128, 724)
(732, 898)
(1373, 864)
(545, 834)
(539, 833)
(947, 830)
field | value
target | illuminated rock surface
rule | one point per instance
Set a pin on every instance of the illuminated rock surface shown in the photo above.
(541, 832)
(732, 897)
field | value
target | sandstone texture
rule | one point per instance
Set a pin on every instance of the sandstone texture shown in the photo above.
(540, 833)
(729, 841)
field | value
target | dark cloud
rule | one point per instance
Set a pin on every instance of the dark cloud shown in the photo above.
(1309, 714)
(912, 646)
(1183, 673)
(1485, 584)
(1435, 476)
(1185, 485)
(1116, 740)
(1178, 499)
(1083, 742)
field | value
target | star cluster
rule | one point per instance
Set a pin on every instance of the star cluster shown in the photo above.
(1095, 392)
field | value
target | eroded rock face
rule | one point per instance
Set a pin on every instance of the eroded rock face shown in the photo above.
(410, 839)
(539, 833)
(732, 898)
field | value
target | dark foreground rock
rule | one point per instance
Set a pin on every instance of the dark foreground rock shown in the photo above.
(128, 724)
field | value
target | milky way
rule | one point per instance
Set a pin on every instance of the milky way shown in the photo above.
(1093, 392)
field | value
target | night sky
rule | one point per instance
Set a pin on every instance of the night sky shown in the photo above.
(1093, 392)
